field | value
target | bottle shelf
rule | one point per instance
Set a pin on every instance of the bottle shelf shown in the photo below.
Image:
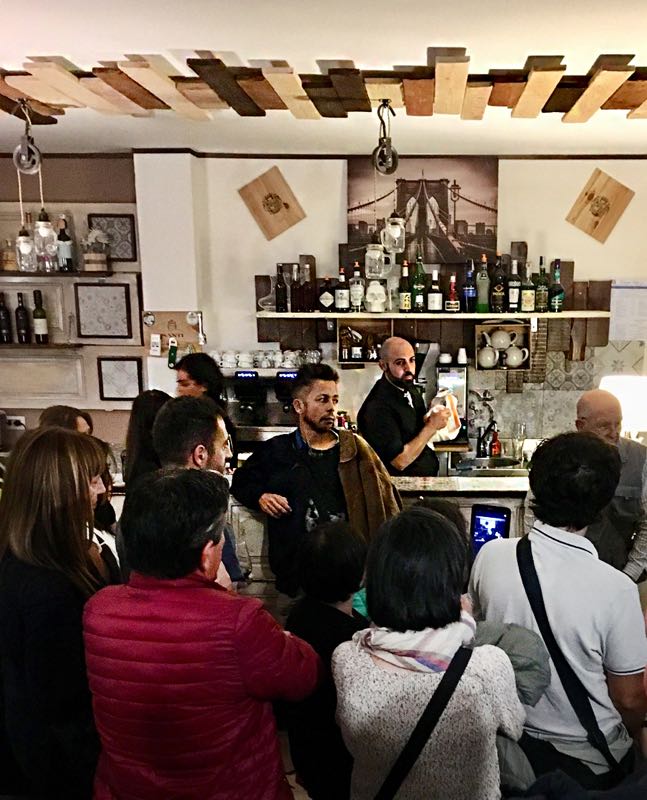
(580, 314)
(16, 273)
(40, 347)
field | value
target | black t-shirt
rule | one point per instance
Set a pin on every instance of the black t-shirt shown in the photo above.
(390, 418)
(326, 501)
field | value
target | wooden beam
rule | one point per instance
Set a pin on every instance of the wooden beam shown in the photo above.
(164, 88)
(199, 93)
(320, 90)
(33, 86)
(603, 84)
(540, 85)
(57, 76)
(451, 80)
(568, 92)
(350, 88)
(216, 74)
(111, 95)
(40, 108)
(287, 84)
(253, 83)
(631, 94)
(475, 100)
(507, 87)
(8, 105)
(419, 96)
(379, 89)
(129, 88)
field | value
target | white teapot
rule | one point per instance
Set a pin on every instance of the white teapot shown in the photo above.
(515, 356)
(500, 339)
(487, 357)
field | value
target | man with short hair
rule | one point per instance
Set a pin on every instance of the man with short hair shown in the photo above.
(183, 673)
(394, 419)
(620, 534)
(314, 474)
(593, 610)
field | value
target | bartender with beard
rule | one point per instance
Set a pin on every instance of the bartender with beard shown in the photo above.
(394, 420)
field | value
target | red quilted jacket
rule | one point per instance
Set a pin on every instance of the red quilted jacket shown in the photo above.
(182, 675)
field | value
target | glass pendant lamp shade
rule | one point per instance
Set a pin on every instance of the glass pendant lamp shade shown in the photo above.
(393, 234)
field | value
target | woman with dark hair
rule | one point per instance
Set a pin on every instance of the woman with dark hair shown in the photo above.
(416, 571)
(141, 457)
(48, 569)
(74, 419)
(330, 566)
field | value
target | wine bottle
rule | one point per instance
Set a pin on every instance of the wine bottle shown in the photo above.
(281, 290)
(435, 294)
(418, 286)
(5, 322)
(23, 333)
(541, 292)
(483, 287)
(296, 290)
(498, 291)
(452, 302)
(342, 293)
(514, 288)
(468, 290)
(326, 296)
(357, 289)
(528, 291)
(307, 290)
(65, 246)
(556, 290)
(404, 290)
(41, 332)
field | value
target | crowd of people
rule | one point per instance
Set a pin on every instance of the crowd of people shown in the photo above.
(134, 667)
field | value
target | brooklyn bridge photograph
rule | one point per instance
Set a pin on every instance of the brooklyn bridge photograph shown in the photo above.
(449, 206)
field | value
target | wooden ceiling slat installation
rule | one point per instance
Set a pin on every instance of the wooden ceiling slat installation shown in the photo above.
(451, 82)
(350, 89)
(163, 87)
(254, 84)
(129, 88)
(40, 108)
(199, 93)
(287, 84)
(320, 90)
(419, 96)
(475, 100)
(32, 86)
(123, 104)
(58, 77)
(8, 106)
(631, 94)
(379, 89)
(603, 84)
(216, 74)
(542, 82)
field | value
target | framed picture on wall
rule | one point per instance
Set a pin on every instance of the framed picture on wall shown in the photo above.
(120, 230)
(120, 378)
(102, 310)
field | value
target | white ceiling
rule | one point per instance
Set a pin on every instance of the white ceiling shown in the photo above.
(375, 34)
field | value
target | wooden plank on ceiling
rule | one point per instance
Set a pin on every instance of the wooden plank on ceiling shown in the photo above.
(111, 95)
(199, 93)
(451, 79)
(253, 82)
(57, 76)
(39, 108)
(34, 87)
(320, 90)
(216, 74)
(568, 92)
(418, 96)
(163, 87)
(350, 88)
(8, 105)
(129, 88)
(507, 87)
(603, 84)
(540, 85)
(287, 84)
(475, 100)
(386, 88)
(631, 94)
(442, 52)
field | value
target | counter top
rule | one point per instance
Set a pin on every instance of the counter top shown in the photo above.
(462, 485)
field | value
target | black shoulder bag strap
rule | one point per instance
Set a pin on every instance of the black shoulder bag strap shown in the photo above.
(575, 691)
(426, 724)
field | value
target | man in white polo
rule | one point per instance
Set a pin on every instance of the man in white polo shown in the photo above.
(592, 609)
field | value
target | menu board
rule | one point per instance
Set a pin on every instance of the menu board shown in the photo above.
(628, 311)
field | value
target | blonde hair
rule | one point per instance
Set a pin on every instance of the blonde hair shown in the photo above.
(46, 508)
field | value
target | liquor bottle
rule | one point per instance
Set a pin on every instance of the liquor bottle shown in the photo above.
(468, 290)
(541, 292)
(556, 290)
(495, 444)
(404, 290)
(65, 246)
(307, 290)
(281, 290)
(45, 243)
(514, 288)
(296, 290)
(41, 333)
(327, 296)
(528, 291)
(25, 251)
(418, 286)
(342, 293)
(483, 287)
(357, 289)
(498, 290)
(23, 334)
(452, 302)
(435, 294)
(5, 322)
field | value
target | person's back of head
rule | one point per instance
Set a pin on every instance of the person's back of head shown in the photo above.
(170, 517)
(181, 425)
(139, 439)
(331, 562)
(73, 419)
(448, 508)
(416, 570)
(573, 476)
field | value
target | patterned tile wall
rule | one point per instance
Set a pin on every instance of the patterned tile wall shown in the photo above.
(549, 408)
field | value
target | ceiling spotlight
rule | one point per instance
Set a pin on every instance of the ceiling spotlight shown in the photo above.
(385, 156)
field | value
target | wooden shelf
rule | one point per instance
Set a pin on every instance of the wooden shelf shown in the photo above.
(39, 347)
(16, 273)
(585, 314)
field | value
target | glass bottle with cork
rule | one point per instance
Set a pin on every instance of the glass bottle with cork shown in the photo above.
(404, 290)
(514, 288)
(6, 336)
(556, 290)
(281, 290)
(435, 294)
(342, 293)
(541, 290)
(23, 330)
(357, 289)
(528, 291)
(64, 246)
(327, 296)
(296, 290)
(452, 301)
(418, 286)
(307, 289)
(41, 332)
(468, 289)
(483, 287)
(498, 288)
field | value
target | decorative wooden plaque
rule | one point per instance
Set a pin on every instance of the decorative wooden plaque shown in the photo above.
(169, 324)
(600, 205)
(272, 203)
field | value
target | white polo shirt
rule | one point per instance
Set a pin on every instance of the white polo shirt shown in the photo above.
(595, 616)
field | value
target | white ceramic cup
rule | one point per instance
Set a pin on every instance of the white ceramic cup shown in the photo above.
(445, 358)
(461, 358)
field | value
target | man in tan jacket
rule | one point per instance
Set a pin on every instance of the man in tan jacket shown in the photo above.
(313, 475)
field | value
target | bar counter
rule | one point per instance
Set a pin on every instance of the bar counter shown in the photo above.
(462, 485)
